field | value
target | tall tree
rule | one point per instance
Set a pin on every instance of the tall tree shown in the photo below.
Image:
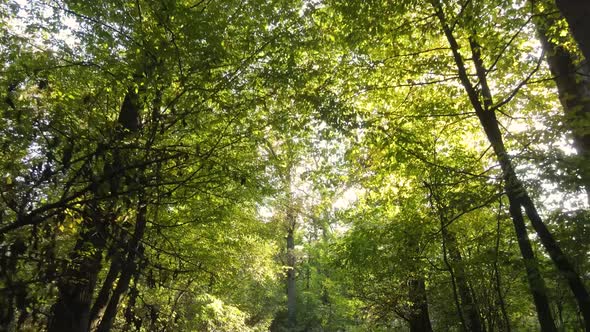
(483, 104)
(571, 77)
(576, 13)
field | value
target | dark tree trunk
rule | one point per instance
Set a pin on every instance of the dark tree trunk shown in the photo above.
(291, 296)
(472, 318)
(419, 318)
(572, 79)
(71, 312)
(127, 272)
(498, 282)
(463, 300)
(105, 291)
(8, 266)
(453, 281)
(130, 317)
(516, 193)
(536, 282)
(577, 12)
(559, 259)
(6, 310)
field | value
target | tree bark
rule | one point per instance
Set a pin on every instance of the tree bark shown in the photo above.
(71, 312)
(518, 195)
(291, 286)
(465, 306)
(104, 294)
(536, 282)
(453, 281)
(573, 85)
(8, 268)
(577, 12)
(130, 317)
(6, 310)
(419, 318)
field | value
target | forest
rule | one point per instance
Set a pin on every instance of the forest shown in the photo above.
(294, 165)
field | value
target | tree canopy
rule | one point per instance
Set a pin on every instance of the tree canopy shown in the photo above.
(326, 165)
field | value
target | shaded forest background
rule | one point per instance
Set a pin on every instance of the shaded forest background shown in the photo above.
(254, 165)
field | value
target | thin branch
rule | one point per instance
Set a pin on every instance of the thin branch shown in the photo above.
(520, 85)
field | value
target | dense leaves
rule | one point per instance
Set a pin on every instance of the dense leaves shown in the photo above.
(253, 165)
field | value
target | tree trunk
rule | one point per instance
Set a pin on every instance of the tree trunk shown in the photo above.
(127, 271)
(514, 189)
(518, 195)
(8, 265)
(6, 309)
(577, 12)
(573, 85)
(498, 281)
(536, 282)
(105, 291)
(71, 312)
(473, 321)
(419, 318)
(453, 280)
(291, 299)
(130, 317)
(559, 259)
(466, 305)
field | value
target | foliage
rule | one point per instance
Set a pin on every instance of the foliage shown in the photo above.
(176, 165)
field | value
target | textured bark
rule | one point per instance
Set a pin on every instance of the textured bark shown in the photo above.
(8, 264)
(453, 280)
(71, 312)
(559, 259)
(419, 318)
(515, 192)
(577, 12)
(6, 310)
(464, 303)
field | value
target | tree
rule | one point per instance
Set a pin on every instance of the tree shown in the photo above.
(180, 165)
(572, 85)
(516, 193)
(575, 12)
(172, 127)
